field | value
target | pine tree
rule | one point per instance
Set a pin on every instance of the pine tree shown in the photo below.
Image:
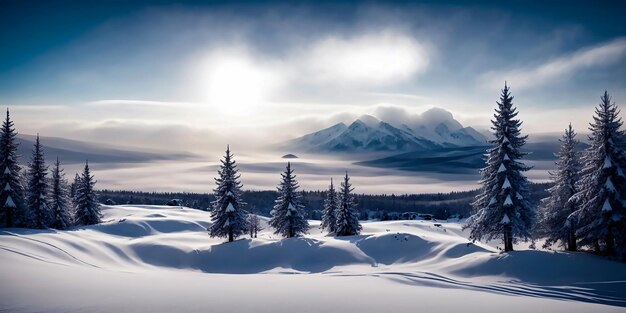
(13, 209)
(59, 199)
(330, 209)
(229, 219)
(601, 217)
(37, 194)
(347, 216)
(554, 210)
(87, 208)
(288, 216)
(502, 209)
(254, 224)
(73, 186)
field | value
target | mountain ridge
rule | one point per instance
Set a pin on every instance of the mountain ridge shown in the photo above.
(436, 129)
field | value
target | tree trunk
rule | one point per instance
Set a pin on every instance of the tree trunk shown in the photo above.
(610, 244)
(230, 234)
(571, 244)
(9, 219)
(508, 238)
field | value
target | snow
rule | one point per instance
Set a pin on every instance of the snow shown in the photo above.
(606, 207)
(7, 170)
(230, 194)
(609, 185)
(9, 203)
(7, 187)
(508, 201)
(506, 184)
(505, 219)
(230, 208)
(607, 162)
(506, 157)
(502, 168)
(160, 259)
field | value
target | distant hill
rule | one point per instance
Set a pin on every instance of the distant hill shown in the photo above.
(74, 151)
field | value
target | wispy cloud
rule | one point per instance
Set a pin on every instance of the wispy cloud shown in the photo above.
(560, 68)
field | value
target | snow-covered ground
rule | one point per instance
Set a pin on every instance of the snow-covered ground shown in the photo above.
(160, 259)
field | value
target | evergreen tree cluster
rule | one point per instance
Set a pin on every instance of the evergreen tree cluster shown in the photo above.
(340, 216)
(48, 201)
(585, 206)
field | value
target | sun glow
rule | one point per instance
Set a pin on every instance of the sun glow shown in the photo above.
(234, 84)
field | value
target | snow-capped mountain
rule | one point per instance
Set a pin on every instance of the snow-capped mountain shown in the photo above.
(435, 128)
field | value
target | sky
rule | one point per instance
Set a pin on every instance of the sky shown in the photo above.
(196, 75)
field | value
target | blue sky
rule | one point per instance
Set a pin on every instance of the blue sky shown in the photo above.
(251, 70)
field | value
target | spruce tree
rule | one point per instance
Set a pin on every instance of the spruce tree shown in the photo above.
(87, 208)
(73, 186)
(288, 216)
(601, 217)
(60, 202)
(229, 219)
(37, 194)
(254, 224)
(347, 216)
(502, 209)
(331, 204)
(13, 206)
(554, 210)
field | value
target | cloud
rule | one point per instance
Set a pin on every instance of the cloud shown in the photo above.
(142, 103)
(560, 68)
(371, 59)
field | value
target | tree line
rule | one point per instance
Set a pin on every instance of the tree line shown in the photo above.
(48, 201)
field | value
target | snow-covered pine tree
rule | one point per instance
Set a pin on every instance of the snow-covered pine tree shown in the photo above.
(229, 219)
(288, 216)
(13, 205)
(60, 202)
(73, 186)
(87, 208)
(347, 216)
(554, 210)
(37, 193)
(601, 217)
(331, 203)
(254, 224)
(502, 209)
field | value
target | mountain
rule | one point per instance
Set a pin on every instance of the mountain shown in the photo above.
(74, 151)
(434, 129)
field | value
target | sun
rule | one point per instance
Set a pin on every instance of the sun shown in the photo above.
(237, 85)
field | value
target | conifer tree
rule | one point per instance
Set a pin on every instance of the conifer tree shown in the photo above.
(554, 210)
(347, 216)
(288, 216)
(87, 208)
(502, 209)
(254, 224)
(60, 202)
(37, 194)
(12, 203)
(331, 203)
(601, 217)
(73, 186)
(229, 219)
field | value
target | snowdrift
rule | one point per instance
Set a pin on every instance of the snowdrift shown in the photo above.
(162, 239)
